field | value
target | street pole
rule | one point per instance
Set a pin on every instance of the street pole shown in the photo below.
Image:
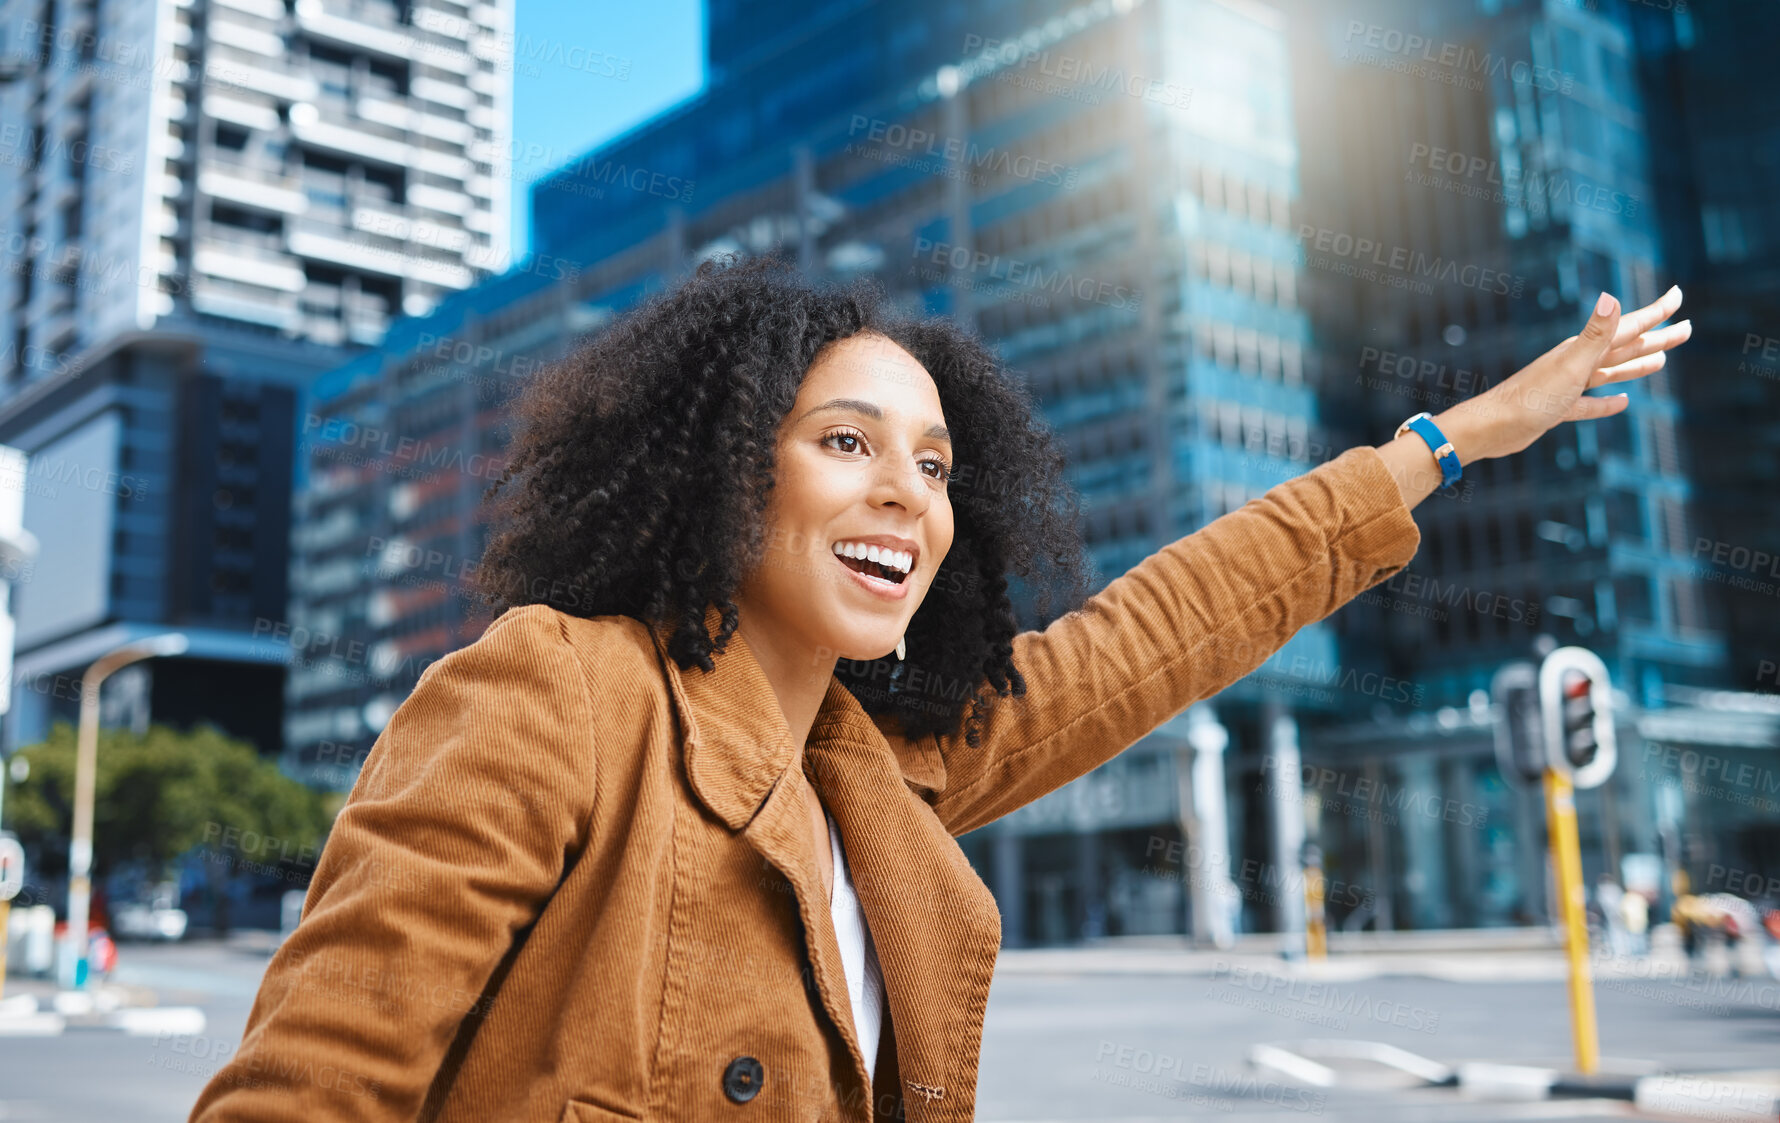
(86, 768)
(12, 879)
(18, 547)
(1581, 751)
(1566, 859)
(1316, 927)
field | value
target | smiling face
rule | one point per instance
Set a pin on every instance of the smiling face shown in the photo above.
(859, 519)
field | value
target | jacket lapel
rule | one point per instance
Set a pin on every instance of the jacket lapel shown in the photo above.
(742, 765)
(934, 924)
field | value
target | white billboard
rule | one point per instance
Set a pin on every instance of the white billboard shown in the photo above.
(70, 506)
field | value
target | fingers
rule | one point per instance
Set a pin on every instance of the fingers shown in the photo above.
(1625, 372)
(1647, 317)
(1588, 409)
(1641, 345)
(1597, 335)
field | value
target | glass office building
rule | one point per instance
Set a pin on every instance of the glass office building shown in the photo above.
(1496, 157)
(1714, 114)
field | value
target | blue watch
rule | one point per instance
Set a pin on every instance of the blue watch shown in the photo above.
(1424, 427)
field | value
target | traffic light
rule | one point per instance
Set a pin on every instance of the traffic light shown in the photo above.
(1580, 746)
(1520, 736)
(1576, 698)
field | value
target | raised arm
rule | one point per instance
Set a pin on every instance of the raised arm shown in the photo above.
(457, 831)
(1209, 608)
(1187, 621)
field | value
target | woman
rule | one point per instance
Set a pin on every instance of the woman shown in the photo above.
(674, 839)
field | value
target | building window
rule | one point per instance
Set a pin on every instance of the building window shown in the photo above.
(1685, 605)
(1674, 524)
(1631, 598)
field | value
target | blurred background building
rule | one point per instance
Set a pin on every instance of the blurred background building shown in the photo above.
(1496, 155)
(1160, 214)
(1222, 240)
(207, 205)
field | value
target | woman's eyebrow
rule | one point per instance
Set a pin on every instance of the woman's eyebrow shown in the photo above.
(871, 410)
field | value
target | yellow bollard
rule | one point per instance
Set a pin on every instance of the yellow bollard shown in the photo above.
(1316, 927)
(1566, 858)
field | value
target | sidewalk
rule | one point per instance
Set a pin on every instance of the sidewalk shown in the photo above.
(152, 989)
(1453, 955)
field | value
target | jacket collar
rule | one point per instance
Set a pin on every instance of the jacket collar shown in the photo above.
(737, 744)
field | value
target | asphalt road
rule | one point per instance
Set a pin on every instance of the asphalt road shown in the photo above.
(1058, 1046)
(1127, 1049)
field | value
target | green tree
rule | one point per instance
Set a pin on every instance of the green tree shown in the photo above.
(159, 795)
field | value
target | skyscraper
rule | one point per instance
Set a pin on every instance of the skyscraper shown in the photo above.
(208, 204)
(1714, 112)
(1476, 175)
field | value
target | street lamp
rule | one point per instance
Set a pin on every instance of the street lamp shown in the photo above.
(86, 766)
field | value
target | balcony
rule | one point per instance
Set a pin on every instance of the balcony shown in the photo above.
(224, 297)
(369, 253)
(442, 93)
(252, 39)
(245, 113)
(443, 164)
(261, 76)
(454, 27)
(439, 199)
(355, 138)
(378, 219)
(370, 26)
(249, 265)
(258, 188)
(371, 13)
(398, 114)
(265, 9)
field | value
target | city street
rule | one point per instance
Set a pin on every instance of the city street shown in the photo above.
(1274, 528)
(1113, 1036)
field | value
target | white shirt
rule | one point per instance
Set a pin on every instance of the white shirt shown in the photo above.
(859, 959)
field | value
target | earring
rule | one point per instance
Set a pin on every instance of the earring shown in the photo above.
(902, 648)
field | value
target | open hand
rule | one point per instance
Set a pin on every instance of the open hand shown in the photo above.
(1514, 413)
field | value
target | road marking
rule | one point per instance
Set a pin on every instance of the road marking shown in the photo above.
(144, 1022)
(32, 1025)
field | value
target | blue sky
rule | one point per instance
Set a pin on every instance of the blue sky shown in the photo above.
(585, 71)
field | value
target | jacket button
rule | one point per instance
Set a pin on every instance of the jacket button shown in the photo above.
(742, 1079)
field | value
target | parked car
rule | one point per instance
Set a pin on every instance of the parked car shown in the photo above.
(154, 919)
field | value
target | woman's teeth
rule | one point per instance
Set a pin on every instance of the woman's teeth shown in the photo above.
(877, 561)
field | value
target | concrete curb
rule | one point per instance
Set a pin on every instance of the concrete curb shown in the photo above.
(1687, 1096)
(32, 1025)
(21, 1016)
(1697, 1097)
(1677, 1095)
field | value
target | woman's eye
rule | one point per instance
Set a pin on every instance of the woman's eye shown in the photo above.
(838, 437)
(940, 469)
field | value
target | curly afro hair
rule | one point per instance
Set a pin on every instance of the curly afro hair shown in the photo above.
(640, 468)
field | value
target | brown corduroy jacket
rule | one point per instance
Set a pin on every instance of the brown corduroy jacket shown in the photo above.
(574, 883)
